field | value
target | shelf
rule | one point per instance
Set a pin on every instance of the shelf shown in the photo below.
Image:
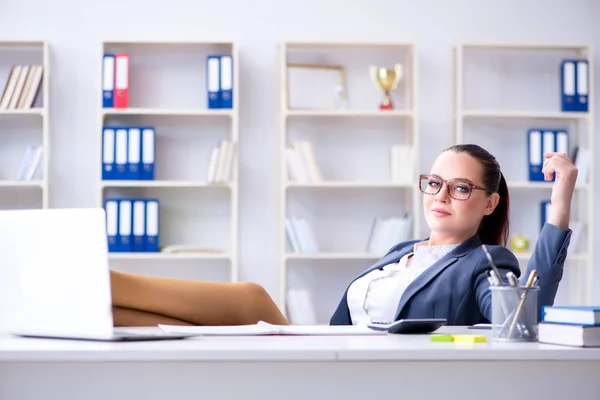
(33, 184)
(350, 184)
(23, 111)
(349, 113)
(539, 185)
(531, 114)
(164, 184)
(169, 256)
(169, 112)
(523, 46)
(332, 256)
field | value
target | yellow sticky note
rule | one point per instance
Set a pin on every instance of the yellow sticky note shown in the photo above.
(469, 338)
(438, 337)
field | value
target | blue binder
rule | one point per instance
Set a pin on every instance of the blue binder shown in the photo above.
(213, 78)
(568, 84)
(148, 153)
(139, 225)
(582, 79)
(226, 79)
(108, 81)
(134, 153)
(545, 210)
(125, 225)
(111, 208)
(120, 153)
(535, 152)
(108, 154)
(152, 225)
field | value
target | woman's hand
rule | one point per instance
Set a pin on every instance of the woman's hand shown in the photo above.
(564, 185)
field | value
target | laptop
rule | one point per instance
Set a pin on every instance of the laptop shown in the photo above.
(54, 277)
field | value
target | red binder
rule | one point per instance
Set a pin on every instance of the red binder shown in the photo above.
(121, 80)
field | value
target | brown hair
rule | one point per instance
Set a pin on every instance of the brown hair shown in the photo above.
(494, 228)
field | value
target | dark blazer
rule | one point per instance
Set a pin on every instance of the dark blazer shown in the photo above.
(456, 286)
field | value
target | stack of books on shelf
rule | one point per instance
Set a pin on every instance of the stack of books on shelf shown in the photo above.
(128, 153)
(302, 163)
(221, 161)
(300, 236)
(30, 163)
(570, 326)
(21, 87)
(132, 225)
(387, 232)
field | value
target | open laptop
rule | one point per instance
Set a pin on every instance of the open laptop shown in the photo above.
(54, 277)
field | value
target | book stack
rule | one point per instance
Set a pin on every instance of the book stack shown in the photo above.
(128, 152)
(22, 87)
(221, 162)
(570, 326)
(30, 163)
(387, 232)
(302, 163)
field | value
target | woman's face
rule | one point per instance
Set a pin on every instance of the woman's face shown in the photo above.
(457, 209)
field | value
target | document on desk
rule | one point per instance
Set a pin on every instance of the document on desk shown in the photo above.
(264, 328)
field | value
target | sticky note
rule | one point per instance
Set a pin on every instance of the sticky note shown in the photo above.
(441, 338)
(469, 338)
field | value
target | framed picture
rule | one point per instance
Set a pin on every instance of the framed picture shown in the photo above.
(313, 86)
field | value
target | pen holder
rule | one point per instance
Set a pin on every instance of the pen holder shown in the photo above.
(514, 314)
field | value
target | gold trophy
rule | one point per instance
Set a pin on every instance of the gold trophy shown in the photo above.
(387, 79)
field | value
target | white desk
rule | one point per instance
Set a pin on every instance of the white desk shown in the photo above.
(295, 367)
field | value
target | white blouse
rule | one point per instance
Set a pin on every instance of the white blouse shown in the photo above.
(375, 296)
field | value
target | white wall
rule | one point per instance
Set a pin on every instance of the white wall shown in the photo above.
(75, 30)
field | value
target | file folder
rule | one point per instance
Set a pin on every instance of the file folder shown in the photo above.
(226, 86)
(111, 208)
(534, 147)
(148, 153)
(568, 85)
(213, 78)
(548, 143)
(152, 225)
(108, 154)
(582, 77)
(108, 80)
(121, 80)
(134, 151)
(125, 224)
(139, 225)
(545, 212)
(121, 153)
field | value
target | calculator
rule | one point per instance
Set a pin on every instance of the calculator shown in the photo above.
(410, 326)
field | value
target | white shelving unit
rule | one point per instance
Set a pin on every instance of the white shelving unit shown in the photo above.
(168, 91)
(352, 147)
(24, 127)
(500, 92)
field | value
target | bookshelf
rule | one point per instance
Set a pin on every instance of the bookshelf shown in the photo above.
(335, 159)
(198, 214)
(24, 105)
(503, 90)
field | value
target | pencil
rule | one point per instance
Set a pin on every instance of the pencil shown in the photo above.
(529, 284)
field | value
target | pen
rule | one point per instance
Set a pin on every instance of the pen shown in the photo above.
(529, 284)
(494, 268)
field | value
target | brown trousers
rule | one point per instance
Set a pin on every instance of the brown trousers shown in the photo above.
(147, 301)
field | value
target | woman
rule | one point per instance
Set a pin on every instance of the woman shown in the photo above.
(466, 204)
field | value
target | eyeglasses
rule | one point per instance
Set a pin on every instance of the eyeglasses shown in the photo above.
(458, 189)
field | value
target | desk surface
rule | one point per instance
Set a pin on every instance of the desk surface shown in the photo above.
(288, 348)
